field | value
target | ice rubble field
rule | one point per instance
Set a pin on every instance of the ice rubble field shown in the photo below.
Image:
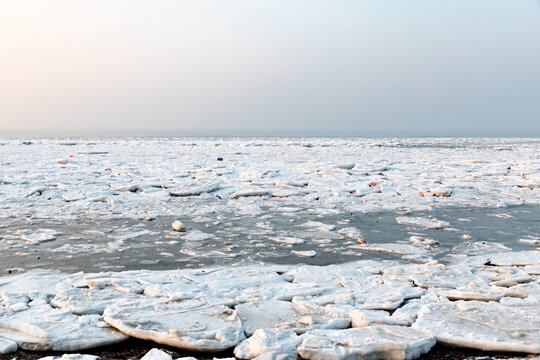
(148, 177)
(366, 309)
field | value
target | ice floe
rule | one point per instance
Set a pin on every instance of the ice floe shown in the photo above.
(370, 342)
(422, 222)
(156, 354)
(71, 357)
(278, 342)
(485, 326)
(395, 308)
(108, 176)
(7, 346)
(41, 327)
(195, 325)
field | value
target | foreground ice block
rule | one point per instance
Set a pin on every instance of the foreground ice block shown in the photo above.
(88, 301)
(7, 346)
(41, 327)
(276, 341)
(156, 354)
(71, 357)
(488, 326)
(370, 342)
(201, 327)
(280, 314)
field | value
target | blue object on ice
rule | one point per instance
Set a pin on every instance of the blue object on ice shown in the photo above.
(219, 159)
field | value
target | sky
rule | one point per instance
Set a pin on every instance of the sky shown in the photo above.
(270, 68)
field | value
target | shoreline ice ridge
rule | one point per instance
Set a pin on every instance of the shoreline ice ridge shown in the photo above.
(398, 310)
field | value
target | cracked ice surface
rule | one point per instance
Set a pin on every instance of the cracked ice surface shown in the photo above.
(396, 310)
(293, 198)
(484, 326)
(137, 177)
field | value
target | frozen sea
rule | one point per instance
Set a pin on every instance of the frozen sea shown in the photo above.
(364, 216)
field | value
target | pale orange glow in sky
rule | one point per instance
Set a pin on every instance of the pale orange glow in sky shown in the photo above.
(132, 67)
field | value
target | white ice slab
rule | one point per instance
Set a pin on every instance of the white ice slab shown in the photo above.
(187, 167)
(204, 327)
(422, 222)
(42, 327)
(361, 318)
(280, 314)
(370, 342)
(81, 301)
(38, 237)
(250, 192)
(32, 282)
(71, 357)
(7, 346)
(486, 326)
(156, 354)
(277, 341)
(195, 190)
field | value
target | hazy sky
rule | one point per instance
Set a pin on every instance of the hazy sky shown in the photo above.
(275, 67)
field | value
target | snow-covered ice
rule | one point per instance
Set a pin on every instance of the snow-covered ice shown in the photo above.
(278, 341)
(7, 346)
(41, 327)
(71, 357)
(188, 325)
(485, 326)
(156, 354)
(286, 200)
(109, 176)
(213, 309)
(371, 342)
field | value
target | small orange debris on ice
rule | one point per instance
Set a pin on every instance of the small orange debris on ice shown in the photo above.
(421, 194)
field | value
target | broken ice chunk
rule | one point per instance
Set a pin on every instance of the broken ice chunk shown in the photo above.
(370, 342)
(204, 328)
(42, 327)
(422, 222)
(278, 341)
(488, 326)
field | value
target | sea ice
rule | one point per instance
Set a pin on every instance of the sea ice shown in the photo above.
(422, 222)
(287, 240)
(178, 226)
(71, 357)
(488, 326)
(81, 301)
(280, 314)
(516, 258)
(38, 237)
(7, 346)
(195, 190)
(250, 192)
(42, 327)
(361, 318)
(156, 354)
(306, 253)
(370, 342)
(200, 327)
(277, 341)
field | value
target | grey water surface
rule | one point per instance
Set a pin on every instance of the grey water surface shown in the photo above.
(94, 245)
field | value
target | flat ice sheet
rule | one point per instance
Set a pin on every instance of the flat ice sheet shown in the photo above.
(370, 342)
(488, 326)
